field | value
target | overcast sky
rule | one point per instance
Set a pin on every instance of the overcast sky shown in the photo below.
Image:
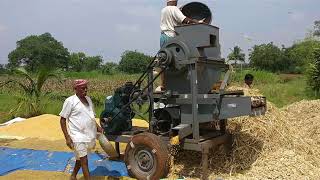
(107, 28)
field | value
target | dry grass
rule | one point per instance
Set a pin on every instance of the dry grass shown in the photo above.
(283, 144)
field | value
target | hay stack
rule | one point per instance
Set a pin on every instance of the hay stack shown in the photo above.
(304, 117)
(283, 144)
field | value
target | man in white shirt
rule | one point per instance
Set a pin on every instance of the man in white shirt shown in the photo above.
(171, 16)
(78, 114)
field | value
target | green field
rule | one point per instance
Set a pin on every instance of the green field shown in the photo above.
(279, 89)
(282, 90)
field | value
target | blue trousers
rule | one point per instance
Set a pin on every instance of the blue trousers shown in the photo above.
(163, 39)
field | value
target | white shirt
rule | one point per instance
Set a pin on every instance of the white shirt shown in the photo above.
(171, 16)
(81, 119)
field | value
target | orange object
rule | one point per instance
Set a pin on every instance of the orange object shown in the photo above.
(216, 86)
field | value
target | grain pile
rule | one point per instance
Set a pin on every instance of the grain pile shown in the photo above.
(44, 133)
(46, 127)
(283, 144)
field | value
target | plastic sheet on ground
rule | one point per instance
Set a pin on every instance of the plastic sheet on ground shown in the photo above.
(18, 119)
(26, 159)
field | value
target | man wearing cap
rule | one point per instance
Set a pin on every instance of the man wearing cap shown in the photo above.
(79, 126)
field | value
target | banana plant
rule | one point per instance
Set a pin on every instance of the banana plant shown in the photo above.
(29, 101)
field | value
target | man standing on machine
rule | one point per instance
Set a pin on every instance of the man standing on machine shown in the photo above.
(171, 16)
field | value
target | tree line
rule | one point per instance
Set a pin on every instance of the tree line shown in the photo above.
(37, 51)
(303, 57)
(270, 57)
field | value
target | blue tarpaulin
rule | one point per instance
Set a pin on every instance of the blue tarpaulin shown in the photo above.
(26, 159)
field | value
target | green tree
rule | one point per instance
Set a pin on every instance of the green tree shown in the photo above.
(29, 102)
(109, 68)
(80, 62)
(2, 69)
(237, 55)
(302, 53)
(77, 61)
(134, 62)
(36, 51)
(269, 57)
(92, 63)
(313, 73)
(316, 31)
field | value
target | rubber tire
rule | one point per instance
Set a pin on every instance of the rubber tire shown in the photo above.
(150, 142)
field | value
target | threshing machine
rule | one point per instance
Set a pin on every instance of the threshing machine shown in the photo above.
(189, 110)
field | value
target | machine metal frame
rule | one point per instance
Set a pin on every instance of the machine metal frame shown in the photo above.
(197, 49)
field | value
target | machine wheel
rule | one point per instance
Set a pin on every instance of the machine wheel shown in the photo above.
(147, 157)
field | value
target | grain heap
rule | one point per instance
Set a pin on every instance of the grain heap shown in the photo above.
(283, 144)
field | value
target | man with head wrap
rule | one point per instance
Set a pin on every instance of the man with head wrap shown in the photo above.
(78, 114)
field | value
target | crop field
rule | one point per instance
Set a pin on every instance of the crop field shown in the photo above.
(279, 89)
(57, 91)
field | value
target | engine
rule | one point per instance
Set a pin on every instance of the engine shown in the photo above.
(117, 117)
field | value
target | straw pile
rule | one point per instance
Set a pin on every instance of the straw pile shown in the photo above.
(283, 144)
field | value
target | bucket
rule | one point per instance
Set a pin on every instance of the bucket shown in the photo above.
(197, 11)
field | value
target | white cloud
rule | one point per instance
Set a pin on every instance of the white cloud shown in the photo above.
(3, 28)
(297, 16)
(127, 28)
(141, 11)
(130, 1)
(247, 37)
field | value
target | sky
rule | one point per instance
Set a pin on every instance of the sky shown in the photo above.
(108, 28)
